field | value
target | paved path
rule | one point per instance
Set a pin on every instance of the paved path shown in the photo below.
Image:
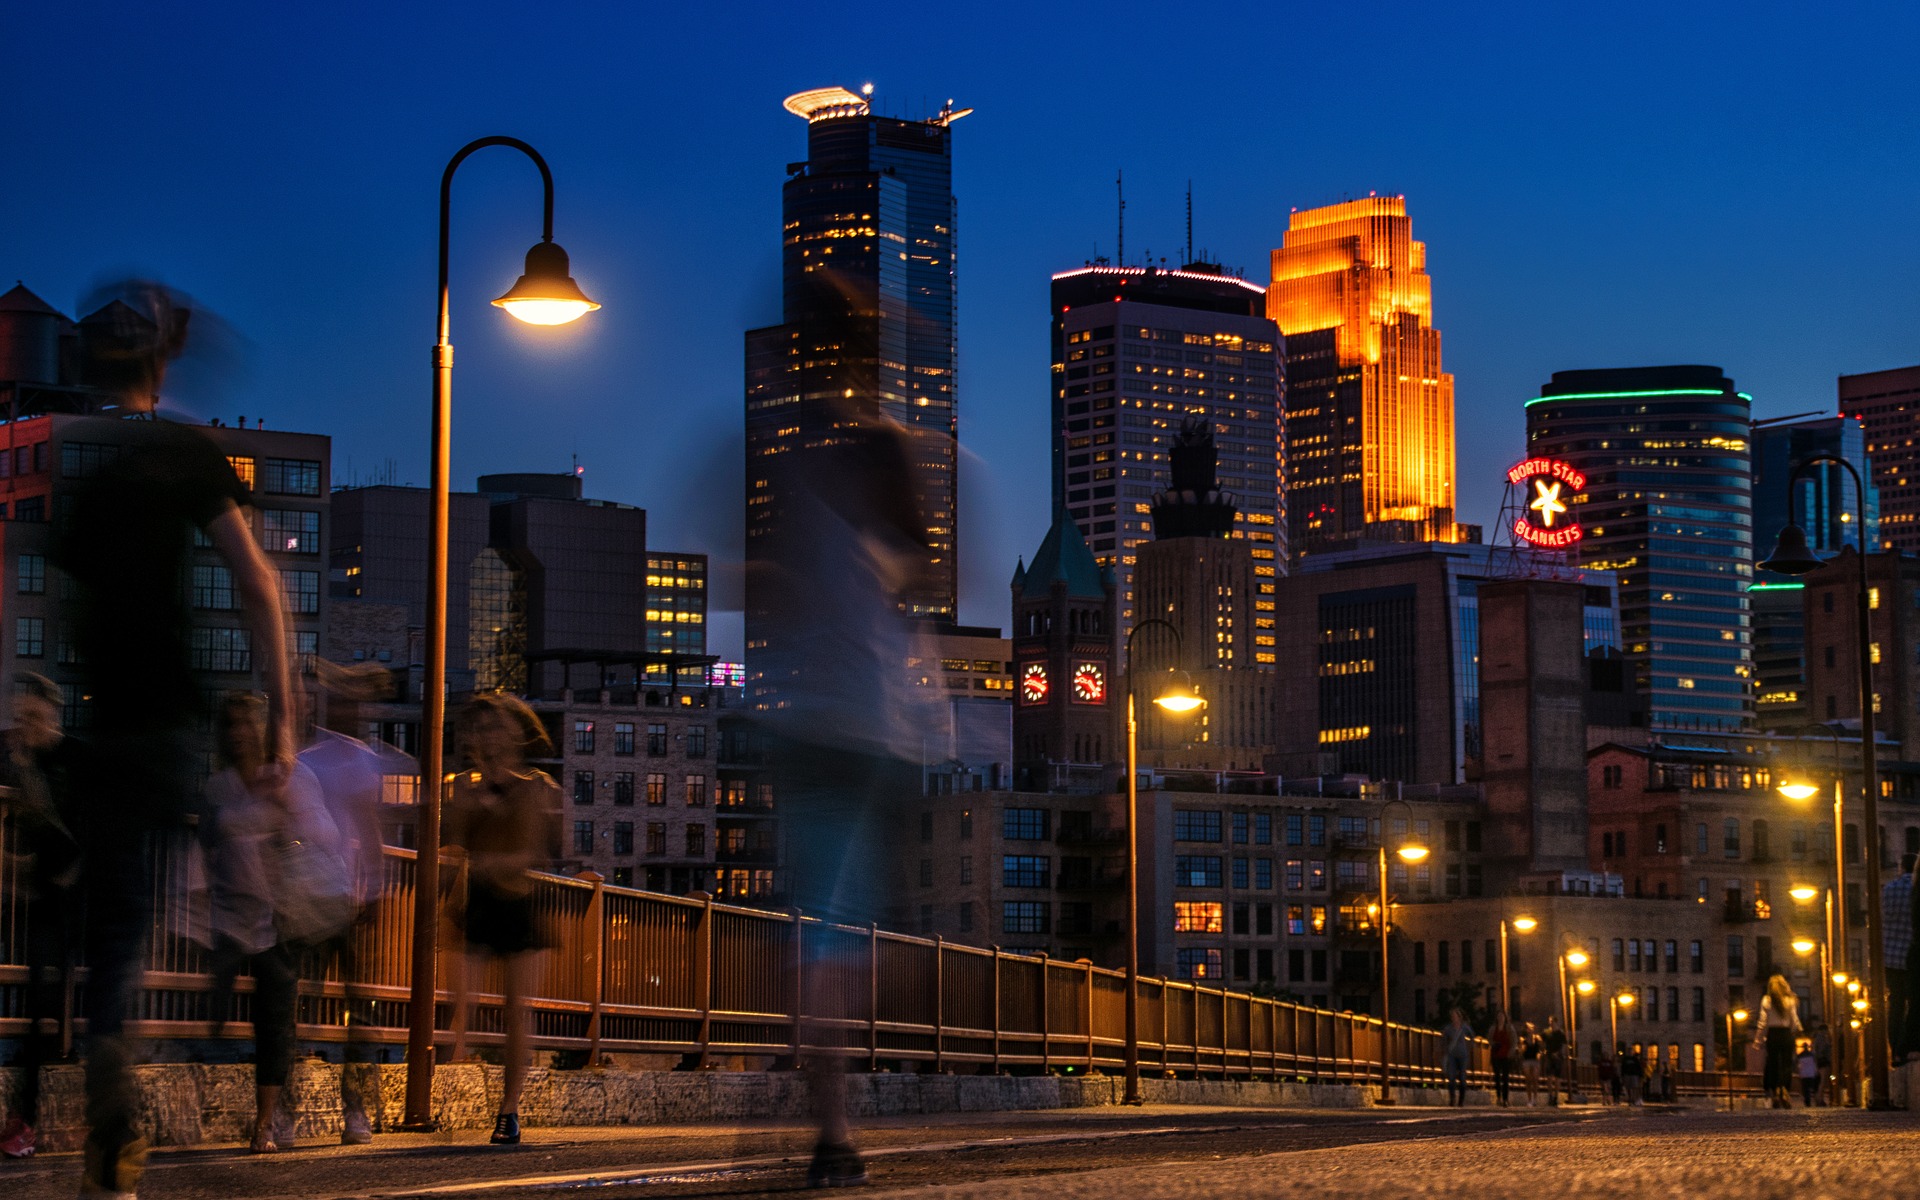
(1102, 1154)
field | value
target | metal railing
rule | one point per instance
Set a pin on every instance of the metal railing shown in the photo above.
(645, 973)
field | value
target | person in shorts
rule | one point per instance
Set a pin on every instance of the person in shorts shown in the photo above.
(503, 818)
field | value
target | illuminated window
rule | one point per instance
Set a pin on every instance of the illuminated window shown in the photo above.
(1197, 916)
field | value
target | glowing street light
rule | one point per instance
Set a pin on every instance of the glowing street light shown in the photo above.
(1410, 850)
(1736, 1016)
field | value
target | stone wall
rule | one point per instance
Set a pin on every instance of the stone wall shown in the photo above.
(188, 1104)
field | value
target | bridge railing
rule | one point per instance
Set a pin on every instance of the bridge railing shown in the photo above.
(638, 972)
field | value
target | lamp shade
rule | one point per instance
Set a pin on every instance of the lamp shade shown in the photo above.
(546, 294)
(1792, 555)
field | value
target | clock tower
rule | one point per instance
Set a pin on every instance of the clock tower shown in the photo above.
(1064, 616)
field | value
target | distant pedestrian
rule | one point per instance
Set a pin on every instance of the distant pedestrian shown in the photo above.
(1532, 1048)
(1777, 1031)
(1456, 1045)
(1896, 939)
(1632, 1072)
(1659, 1079)
(1823, 1055)
(504, 818)
(1607, 1069)
(1501, 1041)
(1553, 1044)
(1807, 1066)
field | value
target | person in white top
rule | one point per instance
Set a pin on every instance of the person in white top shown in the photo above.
(1778, 1030)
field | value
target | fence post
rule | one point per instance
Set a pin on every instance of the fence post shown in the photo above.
(1166, 1068)
(939, 1004)
(1088, 963)
(996, 1010)
(1046, 1015)
(596, 961)
(703, 977)
(873, 996)
(799, 977)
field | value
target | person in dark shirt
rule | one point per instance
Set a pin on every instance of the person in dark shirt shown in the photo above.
(148, 489)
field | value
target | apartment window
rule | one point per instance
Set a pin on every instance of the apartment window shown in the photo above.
(926, 826)
(1263, 919)
(213, 588)
(623, 877)
(1240, 873)
(966, 916)
(1317, 874)
(221, 650)
(696, 791)
(1445, 950)
(966, 825)
(1025, 824)
(1316, 831)
(29, 637)
(1673, 957)
(1196, 870)
(1466, 958)
(1191, 826)
(696, 841)
(696, 741)
(966, 868)
(1197, 916)
(656, 788)
(926, 872)
(1297, 922)
(656, 837)
(78, 460)
(1419, 958)
(623, 737)
(1736, 955)
(1453, 879)
(1198, 962)
(623, 837)
(1296, 874)
(31, 577)
(290, 531)
(1699, 1004)
(1730, 837)
(300, 591)
(583, 837)
(1263, 829)
(291, 477)
(1673, 1004)
(623, 787)
(583, 787)
(1696, 957)
(1263, 873)
(1700, 838)
(657, 739)
(1026, 871)
(1296, 830)
(583, 737)
(1242, 829)
(1024, 916)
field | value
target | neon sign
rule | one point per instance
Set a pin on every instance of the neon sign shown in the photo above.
(1549, 490)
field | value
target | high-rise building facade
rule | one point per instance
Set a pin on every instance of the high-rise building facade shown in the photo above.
(1370, 450)
(1136, 353)
(1668, 506)
(1887, 405)
(868, 292)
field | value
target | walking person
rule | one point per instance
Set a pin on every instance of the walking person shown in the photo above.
(1659, 1079)
(1456, 1044)
(146, 493)
(1778, 1029)
(1896, 940)
(246, 832)
(1632, 1072)
(1607, 1068)
(1807, 1067)
(46, 862)
(1501, 1040)
(503, 817)
(1553, 1044)
(1532, 1048)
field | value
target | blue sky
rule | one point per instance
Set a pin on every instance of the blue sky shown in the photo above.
(1597, 185)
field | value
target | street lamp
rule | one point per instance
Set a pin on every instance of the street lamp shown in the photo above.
(1521, 924)
(1177, 701)
(1410, 850)
(1738, 1014)
(1792, 556)
(1800, 787)
(544, 295)
(1615, 1003)
(1570, 1011)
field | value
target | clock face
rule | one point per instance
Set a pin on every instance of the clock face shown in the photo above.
(1090, 683)
(1033, 683)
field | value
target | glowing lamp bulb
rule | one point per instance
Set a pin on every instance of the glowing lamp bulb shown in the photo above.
(1576, 958)
(1584, 987)
(1803, 893)
(1798, 791)
(1179, 702)
(1624, 999)
(1412, 853)
(1739, 1014)
(1804, 945)
(1525, 924)
(546, 294)
(1840, 978)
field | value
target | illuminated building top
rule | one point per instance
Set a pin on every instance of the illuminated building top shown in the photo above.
(821, 103)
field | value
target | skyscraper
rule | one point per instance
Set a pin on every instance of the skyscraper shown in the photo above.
(1136, 353)
(1887, 404)
(1369, 408)
(867, 271)
(1668, 506)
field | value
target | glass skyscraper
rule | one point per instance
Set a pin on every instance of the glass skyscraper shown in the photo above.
(1668, 507)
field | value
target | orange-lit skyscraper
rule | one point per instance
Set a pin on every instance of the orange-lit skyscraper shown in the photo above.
(1369, 410)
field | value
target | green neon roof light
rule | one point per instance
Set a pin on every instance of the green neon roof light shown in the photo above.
(1775, 587)
(1632, 395)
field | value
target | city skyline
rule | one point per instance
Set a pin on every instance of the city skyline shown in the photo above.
(1587, 227)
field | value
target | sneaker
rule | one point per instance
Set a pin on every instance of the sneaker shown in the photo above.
(17, 1139)
(506, 1130)
(112, 1175)
(836, 1166)
(354, 1128)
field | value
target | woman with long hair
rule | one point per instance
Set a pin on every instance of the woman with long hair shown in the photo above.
(1778, 1030)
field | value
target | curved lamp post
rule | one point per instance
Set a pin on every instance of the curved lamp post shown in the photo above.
(1521, 924)
(1179, 702)
(1830, 976)
(1736, 1015)
(544, 295)
(1410, 850)
(1792, 556)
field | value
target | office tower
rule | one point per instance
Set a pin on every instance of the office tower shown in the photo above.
(1887, 405)
(1137, 352)
(1379, 664)
(867, 267)
(676, 605)
(1064, 608)
(1369, 407)
(1198, 578)
(1822, 502)
(1669, 507)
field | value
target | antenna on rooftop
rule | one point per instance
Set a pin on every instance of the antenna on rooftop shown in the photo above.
(1120, 191)
(1189, 220)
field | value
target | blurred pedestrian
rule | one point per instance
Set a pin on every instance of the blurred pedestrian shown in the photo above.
(1823, 1055)
(1532, 1049)
(1553, 1044)
(1456, 1045)
(1501, 1042)
(827, 585)
(1632, 1072)
(143, 491)
(503, 818)
(1607, 1068)
(265, 847)
(1807, 1067)
(1896, 939)
(1659, 1079)
(45, 859)
(1777, 1030)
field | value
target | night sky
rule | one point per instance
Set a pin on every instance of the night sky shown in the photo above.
(1598, 185)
